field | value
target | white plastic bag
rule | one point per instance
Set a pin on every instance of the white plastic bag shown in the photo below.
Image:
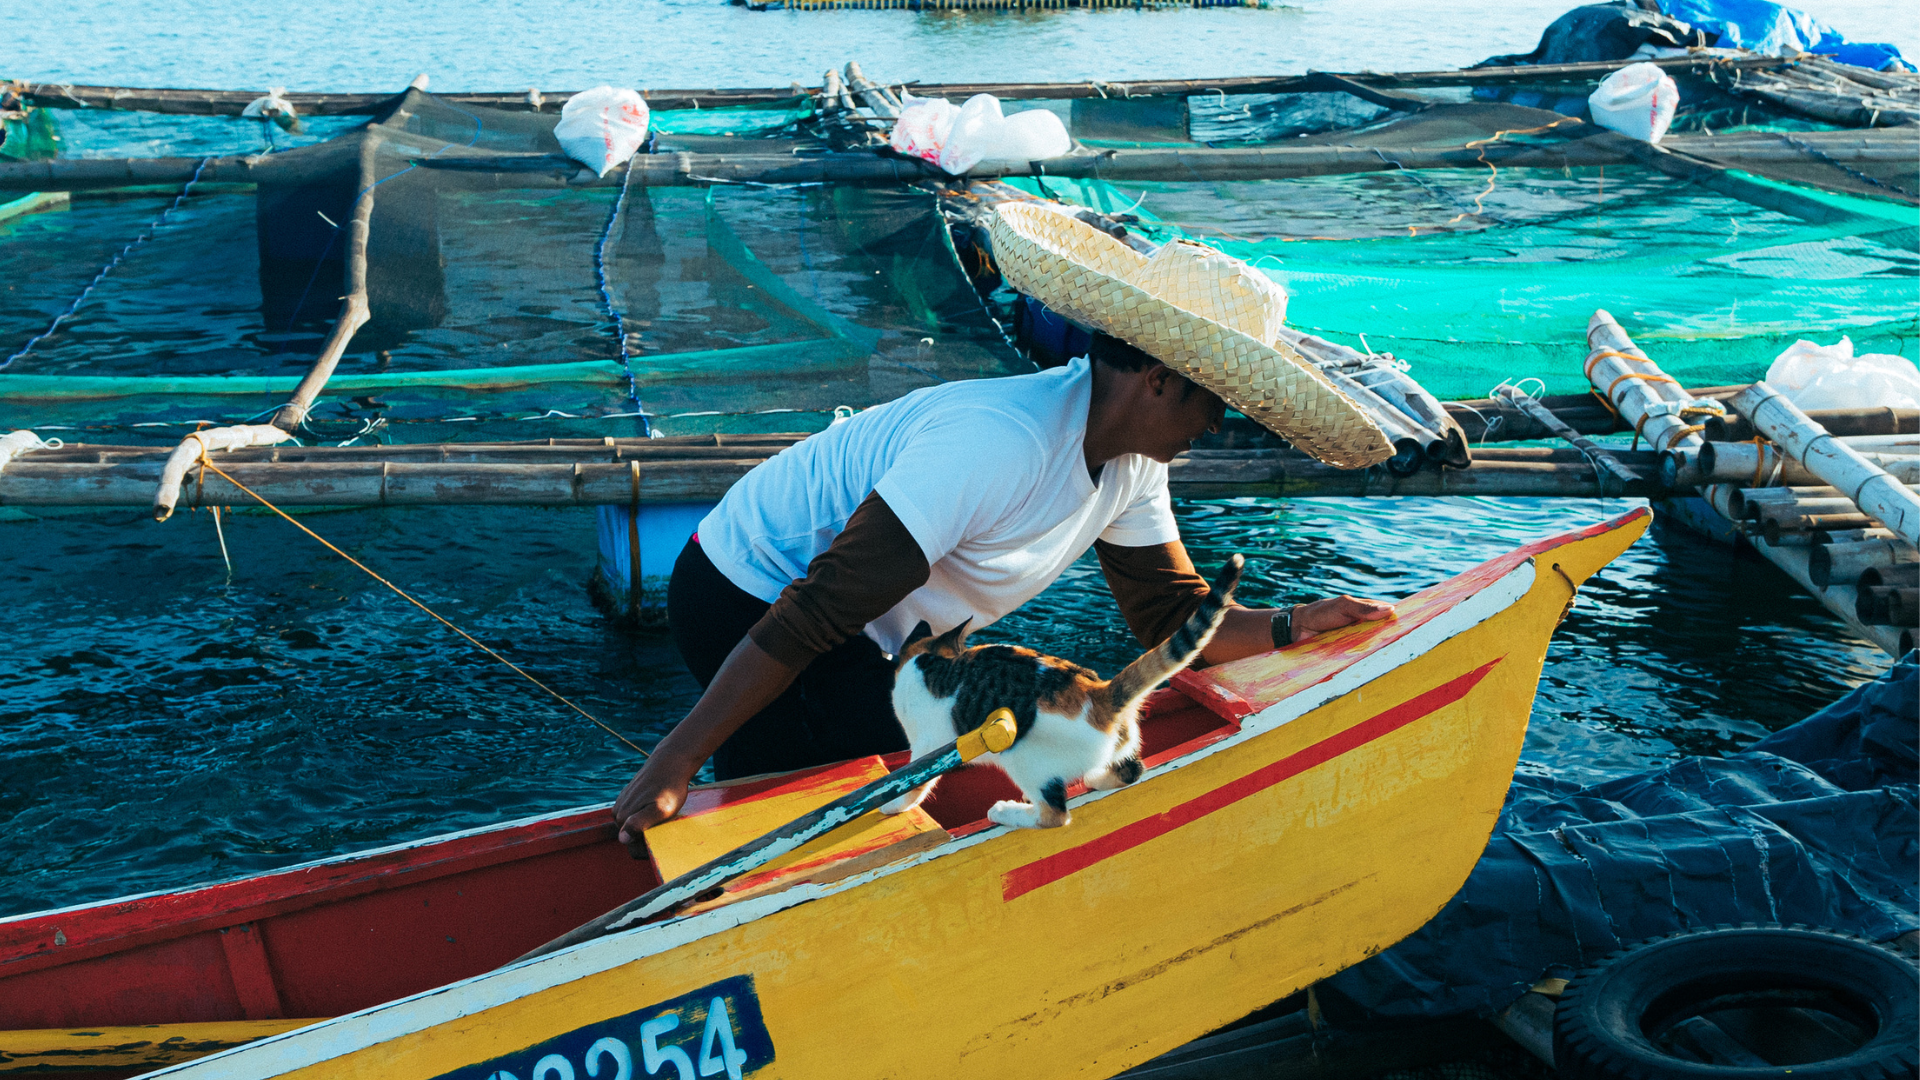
(602, 127)
(923, 127)
(274, 107)
(1830, 377)
(981, 133)
(1637, 101)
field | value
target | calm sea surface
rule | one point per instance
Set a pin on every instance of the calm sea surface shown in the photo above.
(163, 722)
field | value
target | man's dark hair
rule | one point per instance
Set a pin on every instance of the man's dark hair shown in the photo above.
(1121, 356)
(1118, 355)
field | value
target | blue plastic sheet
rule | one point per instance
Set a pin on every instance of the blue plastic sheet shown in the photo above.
(1770, 28)
(1816, 824)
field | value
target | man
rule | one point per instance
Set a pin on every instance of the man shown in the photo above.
(954, 502)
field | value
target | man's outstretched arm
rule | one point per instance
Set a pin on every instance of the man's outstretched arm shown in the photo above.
(747, 682)
(870, 567)
(1157, 588)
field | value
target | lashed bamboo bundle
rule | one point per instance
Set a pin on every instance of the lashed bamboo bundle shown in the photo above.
(1654, 404)
(1400, 405)
(1500, 419)
(1842, 600)
(1859, 480)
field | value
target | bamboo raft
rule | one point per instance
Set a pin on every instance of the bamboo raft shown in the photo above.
(692, 469)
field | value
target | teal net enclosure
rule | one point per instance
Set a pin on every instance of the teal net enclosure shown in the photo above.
(1481, 275)
(499, 304)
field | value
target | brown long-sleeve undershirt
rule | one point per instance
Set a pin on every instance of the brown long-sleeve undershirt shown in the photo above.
(1156, 587)
(875, 562)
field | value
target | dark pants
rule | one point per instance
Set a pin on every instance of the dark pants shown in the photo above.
(840, 707)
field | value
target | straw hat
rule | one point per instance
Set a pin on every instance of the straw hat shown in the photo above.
(1207, 315)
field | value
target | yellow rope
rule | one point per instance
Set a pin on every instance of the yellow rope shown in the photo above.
(1493, 174)
(1602, 354)
(1648, 377)
(557, 696)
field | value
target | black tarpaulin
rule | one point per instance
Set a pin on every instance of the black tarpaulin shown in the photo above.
(1816, 824)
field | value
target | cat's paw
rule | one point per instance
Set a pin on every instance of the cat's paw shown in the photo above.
(1117, 775)
(1017, 815)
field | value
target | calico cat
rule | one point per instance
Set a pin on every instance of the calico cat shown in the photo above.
(1070, 724)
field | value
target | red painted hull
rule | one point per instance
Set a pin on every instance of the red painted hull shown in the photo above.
(354, 931)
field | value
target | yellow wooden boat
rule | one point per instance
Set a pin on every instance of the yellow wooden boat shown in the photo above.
(1301, 811)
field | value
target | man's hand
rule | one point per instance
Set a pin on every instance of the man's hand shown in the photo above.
(1312, 620)
(1249, 631)
(651, 797)
(747, 682)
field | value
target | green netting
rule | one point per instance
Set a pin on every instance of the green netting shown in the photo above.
(1476, 277)
(742, 307)
(33, 137)
(743, 120)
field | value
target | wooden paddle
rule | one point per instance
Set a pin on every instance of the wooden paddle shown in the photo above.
(991, 737)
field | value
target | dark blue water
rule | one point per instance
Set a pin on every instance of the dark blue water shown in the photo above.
(162, 723)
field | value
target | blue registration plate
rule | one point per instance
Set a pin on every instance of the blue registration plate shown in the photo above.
(714, 1031)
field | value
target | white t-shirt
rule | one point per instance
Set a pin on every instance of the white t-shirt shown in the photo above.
(988, 475)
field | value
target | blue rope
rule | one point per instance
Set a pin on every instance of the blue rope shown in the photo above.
(606, 298)
(108, 269)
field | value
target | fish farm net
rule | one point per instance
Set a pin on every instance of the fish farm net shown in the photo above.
(509, 301)
(493, 299)
(1486, 274)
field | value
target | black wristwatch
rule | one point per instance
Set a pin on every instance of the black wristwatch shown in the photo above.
(1282, 627)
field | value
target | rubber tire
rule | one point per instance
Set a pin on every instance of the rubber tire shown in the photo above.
(1597, 1032)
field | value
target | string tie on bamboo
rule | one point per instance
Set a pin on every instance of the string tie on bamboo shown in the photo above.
(15, 443)
(1604, 354)
(1685, 410)
(195, 447)
(1760, 445)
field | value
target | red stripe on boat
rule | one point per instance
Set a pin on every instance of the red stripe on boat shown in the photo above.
(1024, 879)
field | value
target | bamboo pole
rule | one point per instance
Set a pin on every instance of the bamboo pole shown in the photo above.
(1842, 564)
(412, 476)
(1881, 420)
(232, 102)
(1866, 484)
(1763, 464)
(1905, 575)
(354, 311)
(518, 171)
(1773, 529)
(1603, 460)
(1746, 502)
(873, 96)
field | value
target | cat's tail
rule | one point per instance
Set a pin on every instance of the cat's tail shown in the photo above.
(1159, 664)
